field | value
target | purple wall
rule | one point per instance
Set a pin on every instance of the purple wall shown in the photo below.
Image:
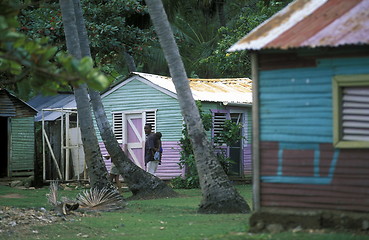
(169, 167)
(247, 160)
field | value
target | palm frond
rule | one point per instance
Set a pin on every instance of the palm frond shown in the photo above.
(52, 197)
(100, 199)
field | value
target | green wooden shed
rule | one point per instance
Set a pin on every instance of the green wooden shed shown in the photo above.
(148, 98)
(17, 136)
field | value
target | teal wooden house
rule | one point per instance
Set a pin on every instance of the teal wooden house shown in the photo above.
(17, 136)
(146, 98)
(310, 66)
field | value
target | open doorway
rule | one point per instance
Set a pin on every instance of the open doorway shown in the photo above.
(4, 148)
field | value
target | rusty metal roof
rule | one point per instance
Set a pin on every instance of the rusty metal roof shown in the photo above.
(227, 90)
(311, 23)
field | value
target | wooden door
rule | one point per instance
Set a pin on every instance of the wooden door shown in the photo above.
(135, 139)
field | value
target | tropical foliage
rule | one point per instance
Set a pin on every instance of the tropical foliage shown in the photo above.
(204, 30)
(44, 67)
(228, 136)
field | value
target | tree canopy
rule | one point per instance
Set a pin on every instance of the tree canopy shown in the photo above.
(203, 30)
(45, 68)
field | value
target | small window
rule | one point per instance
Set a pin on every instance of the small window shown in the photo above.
(151, 118)
(351, 111)
(118, 126)
(219, 117)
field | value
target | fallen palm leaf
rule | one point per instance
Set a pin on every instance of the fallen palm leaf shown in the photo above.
(52, 197)
(103, 199)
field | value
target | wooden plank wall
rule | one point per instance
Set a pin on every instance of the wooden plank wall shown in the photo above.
(299, 166)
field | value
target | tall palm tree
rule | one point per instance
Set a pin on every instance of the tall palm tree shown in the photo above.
(141, 183)
(218, 194)
(95, 164)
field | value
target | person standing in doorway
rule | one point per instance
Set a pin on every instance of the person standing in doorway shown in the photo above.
(151, 146)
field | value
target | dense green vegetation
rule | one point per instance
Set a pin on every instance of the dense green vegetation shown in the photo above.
(121, 35)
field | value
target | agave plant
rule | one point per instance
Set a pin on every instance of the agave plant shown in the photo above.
(103, 199)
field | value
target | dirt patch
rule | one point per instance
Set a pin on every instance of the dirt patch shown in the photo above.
(13, 219)
(278, 220)
(12, 195)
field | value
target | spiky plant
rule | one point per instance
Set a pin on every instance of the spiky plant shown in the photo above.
(104, 199)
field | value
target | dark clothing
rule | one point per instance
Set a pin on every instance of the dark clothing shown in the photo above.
(150, 147)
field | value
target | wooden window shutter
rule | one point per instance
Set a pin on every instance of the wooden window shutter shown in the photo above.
(351, 111)
(355, 113)
(219, 117)
(118, 126)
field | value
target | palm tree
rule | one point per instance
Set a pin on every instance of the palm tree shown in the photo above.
(141, 183)
(218, 194)
(95, 164)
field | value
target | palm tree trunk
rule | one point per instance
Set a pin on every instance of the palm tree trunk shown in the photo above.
(129, 61)
(218, 194)
(142, 184)
(95, 164)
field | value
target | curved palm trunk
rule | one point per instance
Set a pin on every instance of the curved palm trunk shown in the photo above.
(129, 61)
(142, 184)
(96, 167)
(218, 195)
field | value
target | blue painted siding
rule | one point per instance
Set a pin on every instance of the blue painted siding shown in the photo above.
(300, 166)
(296, 104)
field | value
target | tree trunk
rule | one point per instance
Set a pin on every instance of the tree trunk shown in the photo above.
(142, 184)
(95, 164)
(129, 61)
(218, 194)
(221, 14)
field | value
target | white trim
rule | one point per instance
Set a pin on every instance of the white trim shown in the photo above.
(136, 111)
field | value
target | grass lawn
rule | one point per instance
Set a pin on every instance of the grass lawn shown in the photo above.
(174, 218)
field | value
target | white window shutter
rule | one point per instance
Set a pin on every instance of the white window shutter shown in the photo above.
(151, 119)
(118, 126)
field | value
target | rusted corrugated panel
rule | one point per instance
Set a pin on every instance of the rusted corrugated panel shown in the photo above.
(349, 178)
(231, 90)
(312, 23)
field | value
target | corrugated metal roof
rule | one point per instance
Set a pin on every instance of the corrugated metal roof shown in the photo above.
(62, 100)
(228, 90)
(311, 23)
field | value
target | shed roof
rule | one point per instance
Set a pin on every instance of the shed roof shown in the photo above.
(227, 90)
(311, 23)
(11, 106)
(59, 101)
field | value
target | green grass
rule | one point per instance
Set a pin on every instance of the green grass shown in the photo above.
(174, 218)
